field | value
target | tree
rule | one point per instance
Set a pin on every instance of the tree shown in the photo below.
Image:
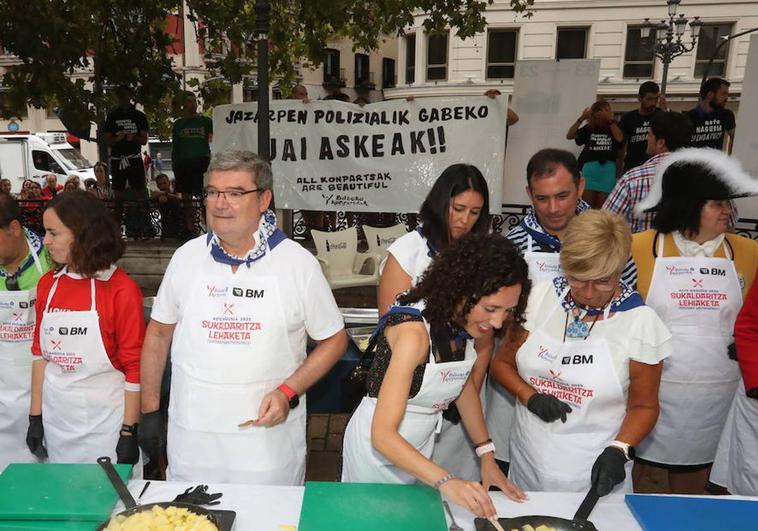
(73, 52)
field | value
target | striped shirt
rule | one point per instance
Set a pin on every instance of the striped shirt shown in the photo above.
(633, 187)
(531, 229)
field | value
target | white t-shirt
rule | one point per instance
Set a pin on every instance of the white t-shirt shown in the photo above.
(637, 334)
(307, 300)
(412, 253)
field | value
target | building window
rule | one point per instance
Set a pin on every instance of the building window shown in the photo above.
(388, 73)
(708, 40)
(363, 75)
(639, 60)
(501, 53)
(332, 72)
(571, 43)
(410, 59)
(436, 57)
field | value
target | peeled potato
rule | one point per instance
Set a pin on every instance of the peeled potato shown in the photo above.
(160, 519)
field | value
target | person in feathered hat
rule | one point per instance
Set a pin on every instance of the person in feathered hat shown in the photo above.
(694, 275)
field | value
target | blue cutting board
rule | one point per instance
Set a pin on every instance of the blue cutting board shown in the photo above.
(667, 513)
(57, 492)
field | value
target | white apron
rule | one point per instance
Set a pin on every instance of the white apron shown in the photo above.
(543, 267)
(441, 385)
(17, 320)
(736, 464)
(454, 449)
(698, 300)
(553, 456)
(82, 393)
(229, 351)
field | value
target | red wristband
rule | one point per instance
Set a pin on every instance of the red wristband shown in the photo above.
(287, 390)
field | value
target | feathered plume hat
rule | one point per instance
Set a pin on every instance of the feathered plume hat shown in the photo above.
(697, 174)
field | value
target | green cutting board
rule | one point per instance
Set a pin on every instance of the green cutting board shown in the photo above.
(370, 507)
(57, 492)
(47, 525)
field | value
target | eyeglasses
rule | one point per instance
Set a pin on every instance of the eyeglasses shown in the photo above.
(601, 284)
(11, 283)
(232, 196)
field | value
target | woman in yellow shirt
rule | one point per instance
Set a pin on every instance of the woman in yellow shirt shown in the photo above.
(694, 275)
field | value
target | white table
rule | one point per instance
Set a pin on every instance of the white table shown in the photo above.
(266, 508)
(610, 513)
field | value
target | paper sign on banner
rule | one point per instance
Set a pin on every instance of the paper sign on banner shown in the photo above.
(746, 134)
(548, 96)
(384, 157)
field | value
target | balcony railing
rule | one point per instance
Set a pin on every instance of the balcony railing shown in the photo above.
(150, 219)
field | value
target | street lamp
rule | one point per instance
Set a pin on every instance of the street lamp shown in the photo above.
(670, 41)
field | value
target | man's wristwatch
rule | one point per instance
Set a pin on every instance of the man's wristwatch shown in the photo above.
(291, 395)
(626, 449)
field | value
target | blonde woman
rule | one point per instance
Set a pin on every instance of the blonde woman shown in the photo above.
(585, 368)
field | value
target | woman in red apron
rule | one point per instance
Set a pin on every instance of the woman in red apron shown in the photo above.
(694, 275)
(585, 370)
(87, 340)
(423, 363)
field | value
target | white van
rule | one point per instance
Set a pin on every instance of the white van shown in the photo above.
(32, 155)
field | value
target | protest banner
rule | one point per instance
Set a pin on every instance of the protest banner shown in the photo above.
(383, 157)
(745, 147)
(548, 96)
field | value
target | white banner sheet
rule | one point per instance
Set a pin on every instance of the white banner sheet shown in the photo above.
(383, 157)
(548, 96)
(745, 147)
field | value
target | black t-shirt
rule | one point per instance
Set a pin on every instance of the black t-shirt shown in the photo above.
(635, 126)
(129, 121)
(710, 127)
(598, 144)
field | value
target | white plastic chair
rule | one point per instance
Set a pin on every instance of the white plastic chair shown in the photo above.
(343, 266)
(380, 238)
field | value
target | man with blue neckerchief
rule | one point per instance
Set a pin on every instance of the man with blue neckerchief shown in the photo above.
(235, 307)
(23, 260)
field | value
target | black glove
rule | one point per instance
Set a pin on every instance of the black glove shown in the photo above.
(127, 449)
(608, 470)
(198, 496)
(753, 393)
(34, 436)
(152, 434)
(731, 351)
(547, 407)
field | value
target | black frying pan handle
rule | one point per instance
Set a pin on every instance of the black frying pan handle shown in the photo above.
(589, 502)
(117, 482)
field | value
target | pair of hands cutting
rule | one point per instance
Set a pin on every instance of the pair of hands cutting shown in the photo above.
(608, 470)
(127, 448)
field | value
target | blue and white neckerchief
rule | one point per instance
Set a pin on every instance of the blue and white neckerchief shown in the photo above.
(534, 228)
(628, 299)
(268, 236)
(431, 249)
(36, 245)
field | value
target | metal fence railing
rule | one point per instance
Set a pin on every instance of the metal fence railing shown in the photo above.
(148, 219)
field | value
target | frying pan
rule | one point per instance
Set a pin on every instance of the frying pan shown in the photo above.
(131, 505)
(579, 522)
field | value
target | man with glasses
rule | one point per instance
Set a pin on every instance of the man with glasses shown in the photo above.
(23, 260)
(235, 307)
(555, 186)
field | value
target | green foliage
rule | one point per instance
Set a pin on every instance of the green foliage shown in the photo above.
(74, 52)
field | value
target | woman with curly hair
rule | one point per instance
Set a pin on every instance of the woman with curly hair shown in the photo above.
(585, 369)
(87, 340)
(423, 360)
(457, 204)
